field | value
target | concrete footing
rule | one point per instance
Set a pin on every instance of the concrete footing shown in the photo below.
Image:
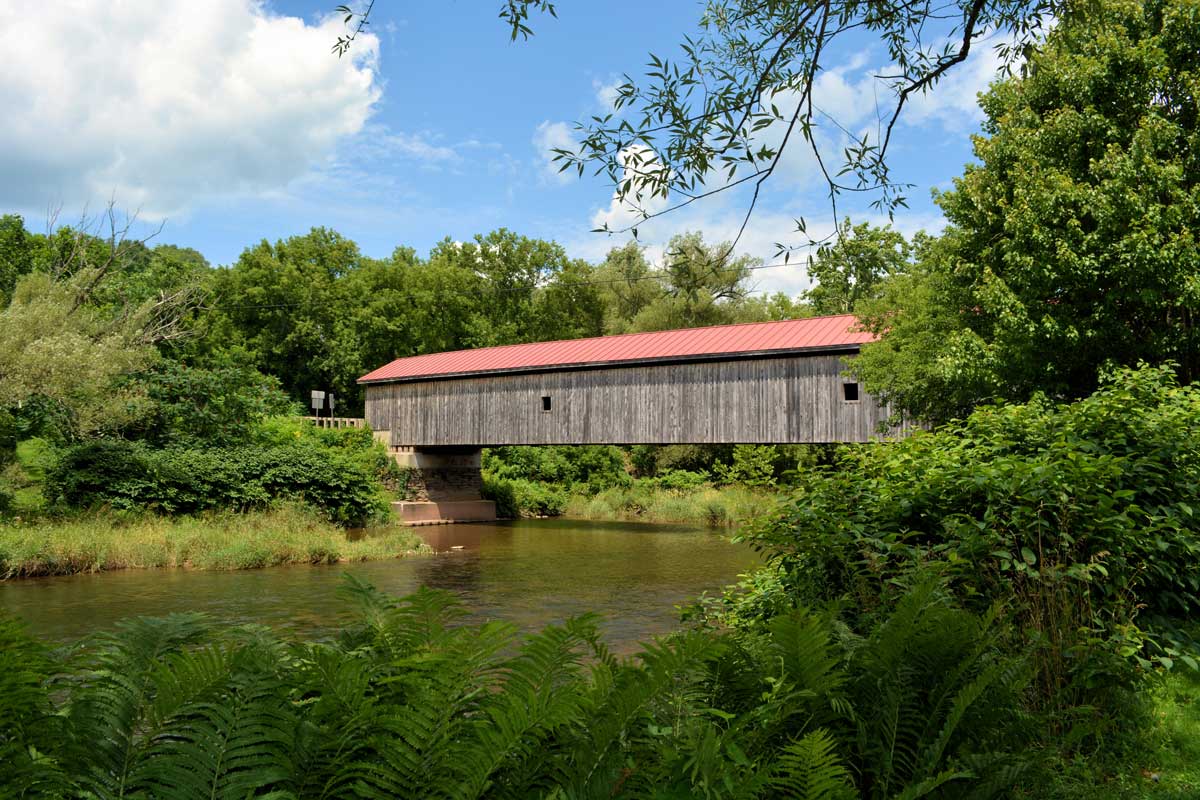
(432, 512)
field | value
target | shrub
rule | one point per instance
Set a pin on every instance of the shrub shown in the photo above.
(1082, 520)
(680, 480)
(198, 406)
(130, 475)
(596, 466)
(500, 491)
(521, 498)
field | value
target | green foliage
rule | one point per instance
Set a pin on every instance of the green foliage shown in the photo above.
(678, 497)
(680, 480)
(596, 466)
(69, 355)
(1072, 242)
(130, 475)
(852, 268)
(1080, 519)
(8, 452)
(740, 89)
(517, 497)
(649, 460)
(17, 254)
(753, 465)
(315, 313)
(292, 533)
(410, 702)
(698, 285)
(194, 406)
(29, 731)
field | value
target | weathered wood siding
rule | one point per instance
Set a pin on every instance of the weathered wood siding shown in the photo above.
(793, 399)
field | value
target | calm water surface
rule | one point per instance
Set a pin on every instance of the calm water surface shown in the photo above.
(530, 572)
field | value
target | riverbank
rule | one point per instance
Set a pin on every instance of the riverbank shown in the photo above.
(642, 500)
(705, 505)
(221, 541)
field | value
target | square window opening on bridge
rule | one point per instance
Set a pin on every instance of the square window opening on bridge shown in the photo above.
(545, 402)
(850, 392)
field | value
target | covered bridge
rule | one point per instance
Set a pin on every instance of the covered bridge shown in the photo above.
(760, 382)
(763, 382)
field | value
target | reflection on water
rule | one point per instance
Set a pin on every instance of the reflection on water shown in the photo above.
(531, 572)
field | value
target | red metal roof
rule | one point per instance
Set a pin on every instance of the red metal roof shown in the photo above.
(715, 341)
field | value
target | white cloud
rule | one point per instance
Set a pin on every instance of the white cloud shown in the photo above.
(162, 103)
(638, 163)
(547, 137)
(953, 103)
(606, 93)
(419, 146)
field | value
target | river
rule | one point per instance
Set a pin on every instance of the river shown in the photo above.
(531, 572)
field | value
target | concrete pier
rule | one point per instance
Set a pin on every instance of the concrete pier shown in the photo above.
(445, 485)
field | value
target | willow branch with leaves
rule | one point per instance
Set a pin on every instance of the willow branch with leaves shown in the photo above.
(741, 94)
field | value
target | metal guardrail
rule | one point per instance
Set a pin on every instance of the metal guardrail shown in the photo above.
(337, 422)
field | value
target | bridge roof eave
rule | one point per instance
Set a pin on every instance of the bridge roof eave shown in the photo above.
(618, 364)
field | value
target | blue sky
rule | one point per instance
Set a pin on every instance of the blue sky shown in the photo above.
(232, 122)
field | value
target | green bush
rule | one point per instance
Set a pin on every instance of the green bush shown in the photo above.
(130, 475)
(1081, 520)
(650, 460)
(680, 480)
(517, 498)
(596, 466)
(411, 703)
(501, 492)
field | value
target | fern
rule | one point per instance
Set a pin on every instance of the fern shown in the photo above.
(29, 732)
(424, 681)
(540, 696)
(411, 703)
(919, 680)
(112, 701)
(233, 746)
(809, 769)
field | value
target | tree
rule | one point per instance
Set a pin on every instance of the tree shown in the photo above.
(1072, 243)
(852, 268)
(54, 351)
(283, 307)
(627, 285)
(65, 348)
(741, 94)
(524, 289)
(316, 314)
(697, 285)
(17, 253)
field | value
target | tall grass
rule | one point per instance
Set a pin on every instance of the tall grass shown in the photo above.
(706, 505)
(1158, 760)
(222, 541)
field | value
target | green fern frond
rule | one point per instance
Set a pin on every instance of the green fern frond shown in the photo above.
(236, 746)
(188, 677)
(540, 695)
(426, 704)
(109, 705)
(809, 769)
(929, 785)
(400, 627)
(29, 731)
